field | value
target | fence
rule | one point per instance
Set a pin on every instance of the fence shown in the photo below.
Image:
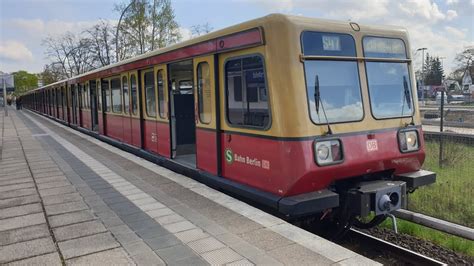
(451, 198)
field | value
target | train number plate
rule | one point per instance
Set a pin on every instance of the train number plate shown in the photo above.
(372, 145)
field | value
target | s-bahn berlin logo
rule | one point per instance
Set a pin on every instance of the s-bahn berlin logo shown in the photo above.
(231, 157)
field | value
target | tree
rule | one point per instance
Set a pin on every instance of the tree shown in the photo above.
(465, 61)
(72, 53)
(433, 71)
(101, 40)
(146, 25)
(24, 82)
(51, 74)
(200, 29)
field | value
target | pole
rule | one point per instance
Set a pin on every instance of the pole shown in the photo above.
(117, 31)
(423, 73)
(5, 96)
(441, 125)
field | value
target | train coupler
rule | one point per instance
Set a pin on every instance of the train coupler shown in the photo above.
(380, 197)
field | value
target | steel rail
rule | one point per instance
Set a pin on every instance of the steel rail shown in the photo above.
(401, 253)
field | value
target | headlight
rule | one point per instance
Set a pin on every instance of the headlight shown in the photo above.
(328, 152)
(408, 140)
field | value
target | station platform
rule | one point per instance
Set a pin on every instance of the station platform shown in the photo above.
(68, 198)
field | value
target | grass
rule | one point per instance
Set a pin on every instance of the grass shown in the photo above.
(457, 244)
(451, 197)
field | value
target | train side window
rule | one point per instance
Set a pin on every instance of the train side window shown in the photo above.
(126, 98)
(161, 93)
(150, 97)
(246, 92)
(107, 96)
(134, 92)
(99, 96)
(204, 93)
(116, 95)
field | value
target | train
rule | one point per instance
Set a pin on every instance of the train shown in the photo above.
(307, 118)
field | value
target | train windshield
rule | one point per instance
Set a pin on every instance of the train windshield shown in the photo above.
(389, 82)
(332, 86)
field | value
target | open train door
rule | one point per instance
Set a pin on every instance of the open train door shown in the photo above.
(206, 116)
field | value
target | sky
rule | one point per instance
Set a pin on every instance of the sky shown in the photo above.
(445, 27)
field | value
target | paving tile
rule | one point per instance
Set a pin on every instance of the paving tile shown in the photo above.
(152, 206)
(161, 242)
(173, 218)
(26, 249)
(18, 193)
(127, 237)
(195, 261)
(160, 212)
(63, 198)
(50, 179)
(15, 187)
(15, 181)
(20, 210)
(243, 262)
(205, 245)
(265, 239)
(65, 207)
(109, 257)
(151, 231)
(134, 248)
(221, 256)
(54, 184)
(51, 259)
(148, 258)
(6, 203)
(57, 191)
(23, 234)
(191, 235)
(22, 221)
(296, 254)
(112, 221)
(179, 226)
(87, 245)
(70, 218)
(175, 253)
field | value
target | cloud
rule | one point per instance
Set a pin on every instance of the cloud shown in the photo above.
(15, 51)
(454, 32)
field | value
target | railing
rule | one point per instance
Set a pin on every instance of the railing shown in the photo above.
(451, 198)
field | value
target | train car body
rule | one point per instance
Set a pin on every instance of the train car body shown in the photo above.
(300, 115)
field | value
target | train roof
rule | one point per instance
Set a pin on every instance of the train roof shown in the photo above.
(297, 21)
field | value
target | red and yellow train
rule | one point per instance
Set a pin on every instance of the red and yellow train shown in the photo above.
(300, 115)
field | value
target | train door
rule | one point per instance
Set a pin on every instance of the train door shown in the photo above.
(150, 135)
(183, 125)
(205, 112)
(94, 111)
(126, 120)
(80, 98)
(100, 114)
(135, 121)
(105, 103)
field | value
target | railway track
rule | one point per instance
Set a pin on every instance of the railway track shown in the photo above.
(391, 253)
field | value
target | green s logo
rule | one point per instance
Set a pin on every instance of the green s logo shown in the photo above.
(229, 156)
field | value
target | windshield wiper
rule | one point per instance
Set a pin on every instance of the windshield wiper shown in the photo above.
(317, 100)
(407, 92)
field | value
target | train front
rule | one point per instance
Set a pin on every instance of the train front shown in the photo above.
(369, 151)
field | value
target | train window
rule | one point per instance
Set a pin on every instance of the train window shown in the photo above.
(134, 93)
(107, 96)
(126, 98)
(116, 95)
(204, 93)
(161, 93)
(150, 96)
(327, 44)
(333, 91)
(99, 96)
(248, 106)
